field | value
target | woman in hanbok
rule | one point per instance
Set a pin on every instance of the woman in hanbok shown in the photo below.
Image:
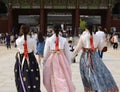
(57, 75)
(27, 75)
(95, 75)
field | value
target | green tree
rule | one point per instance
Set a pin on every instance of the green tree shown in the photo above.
(82, 25)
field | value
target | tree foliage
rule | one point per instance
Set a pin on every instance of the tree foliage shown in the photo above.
(82, 24)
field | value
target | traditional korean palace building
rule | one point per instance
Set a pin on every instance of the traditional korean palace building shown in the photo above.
(44, 13)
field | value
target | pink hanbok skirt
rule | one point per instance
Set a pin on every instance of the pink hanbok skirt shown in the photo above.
(57, 75)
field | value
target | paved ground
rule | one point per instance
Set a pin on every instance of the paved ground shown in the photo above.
(7, 60)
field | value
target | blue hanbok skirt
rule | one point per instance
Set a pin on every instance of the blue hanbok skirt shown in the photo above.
(95, 75)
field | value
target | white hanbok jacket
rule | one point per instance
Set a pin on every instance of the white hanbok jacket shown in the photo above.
(84, 42)
(50, 46)
(31, 44)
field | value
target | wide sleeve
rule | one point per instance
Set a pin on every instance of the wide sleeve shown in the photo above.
(19, 41)
(78, 47)
(67, 52)
(46, 50)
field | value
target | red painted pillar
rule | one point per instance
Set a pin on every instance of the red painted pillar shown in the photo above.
(108, 19)
(42, 20)
(73, 23)
(10, 19)
(77, 21)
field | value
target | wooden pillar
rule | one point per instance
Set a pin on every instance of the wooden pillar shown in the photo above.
(45, 23)
(42, 20)
(10, 19)
(103, 20)
(108, 19)
(77, 21)
(73, 23)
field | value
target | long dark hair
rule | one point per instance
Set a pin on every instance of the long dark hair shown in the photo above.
(40, 37)
(89, 26)
(57, 29)
(25, 30)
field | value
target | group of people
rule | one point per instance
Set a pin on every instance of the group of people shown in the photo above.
(57, 75)
(8, 39)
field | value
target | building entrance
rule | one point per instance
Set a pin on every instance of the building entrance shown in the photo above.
(63, 17)
(54, 8)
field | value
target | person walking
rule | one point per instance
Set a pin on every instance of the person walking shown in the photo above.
(15, 37)
(8, 41)
(95, 75)
(71, 48)
(40, 47)
(115, 40)
(27, 77)
(101, 34)
(57, 75)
